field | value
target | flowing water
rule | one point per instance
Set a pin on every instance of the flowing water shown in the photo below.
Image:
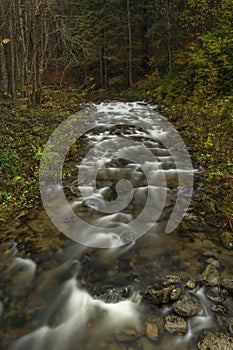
(128, 186)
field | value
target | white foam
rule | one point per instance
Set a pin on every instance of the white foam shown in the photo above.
(79, 308)
(26, 267)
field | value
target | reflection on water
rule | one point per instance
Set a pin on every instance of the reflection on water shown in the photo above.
(82, 297)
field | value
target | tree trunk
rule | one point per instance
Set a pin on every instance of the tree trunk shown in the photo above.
(12, 50)
(4, 76)
(130, 48)
(169, 43)
(102, 67)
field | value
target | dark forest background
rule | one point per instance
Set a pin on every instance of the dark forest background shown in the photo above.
(180, 46)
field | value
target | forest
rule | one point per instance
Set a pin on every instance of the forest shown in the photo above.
(56, 54)
(116, 44)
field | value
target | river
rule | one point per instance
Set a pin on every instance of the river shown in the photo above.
(83, 269)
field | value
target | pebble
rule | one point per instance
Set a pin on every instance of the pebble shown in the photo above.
(208, 253)
(219, 308)
(173, 279)
(175, 324)
(175, 294)
(152, 331)
(214, 262)
(191, 284)
(227, 284)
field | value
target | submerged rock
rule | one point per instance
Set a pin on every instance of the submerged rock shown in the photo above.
(173, 278)
(210, 276)
(175, 324)
(127, 334)
(152, 331)
(187, 306)
(214, 262)
(144, 344)
(212, 341)
(227, 284)
(114, 295)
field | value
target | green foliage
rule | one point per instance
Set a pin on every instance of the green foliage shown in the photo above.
(9, 161)
(24, 132)
(150, 87)
(206, 126)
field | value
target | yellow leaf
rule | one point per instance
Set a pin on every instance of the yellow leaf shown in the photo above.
(5, 41)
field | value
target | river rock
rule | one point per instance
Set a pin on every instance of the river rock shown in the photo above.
(191, 284)
(211, 341)
(219, 309)
(175, 324)
(173, 279)
(151, 331)
(230, 325)
(227, 284)
(175, 294)
(114, 295)
(210, 276)
(127, 334)
(159, 294)
(208, 244)
(214, 262)
(187, 306)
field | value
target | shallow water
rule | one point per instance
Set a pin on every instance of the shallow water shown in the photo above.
(127, 193)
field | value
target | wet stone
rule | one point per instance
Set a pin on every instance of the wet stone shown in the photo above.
(159, 294)
(127, 237)
(173, 279)
(215, 299)
(187, 306)
(230, 325)
(127, 334)
(227, 284)
(114, 295)
(191, 284)
(151, 331)
(214, 262)
(175, 294)
(210, 276)
(219, 309)
(208, 244)
(212, 341)
(175, 324)
(208, 253)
